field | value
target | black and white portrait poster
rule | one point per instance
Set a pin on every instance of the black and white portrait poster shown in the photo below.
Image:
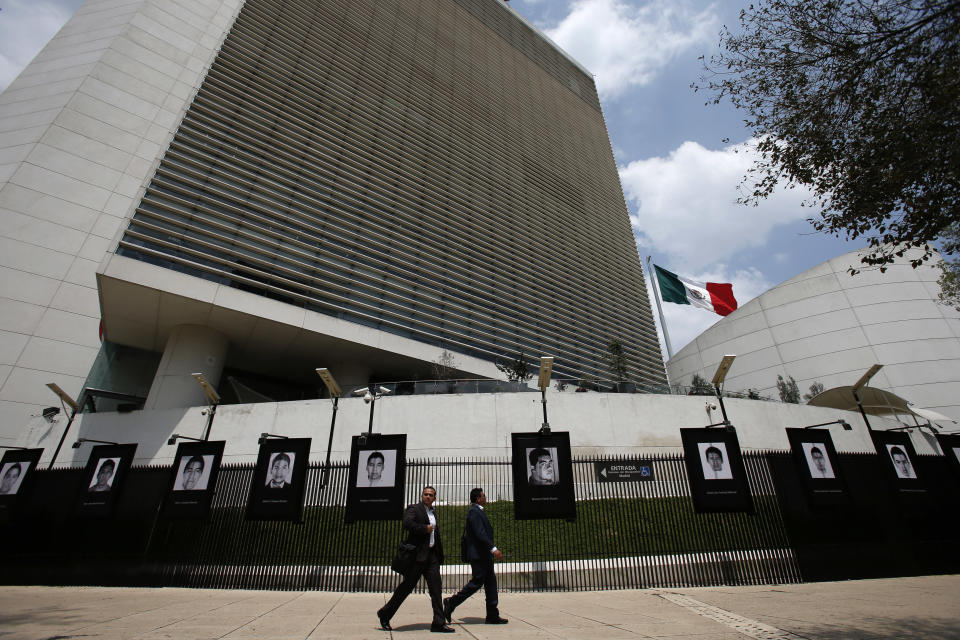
(950, 445)
(16, 471)
(718, 480)
(193, 480)
(543, 476)
(816, 461)
(897, 456)
(103, 479)
(279, 480)
(376, 481)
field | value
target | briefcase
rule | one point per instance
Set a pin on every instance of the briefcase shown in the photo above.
(406, 556)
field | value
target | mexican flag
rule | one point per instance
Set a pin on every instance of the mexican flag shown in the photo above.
(714, 296)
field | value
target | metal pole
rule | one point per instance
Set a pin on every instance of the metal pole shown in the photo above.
(373, 403)
(651, 272)
(206, 432)
(62, 438)
(546, 425)
(723, 409)
(856, 396)
(333, 421)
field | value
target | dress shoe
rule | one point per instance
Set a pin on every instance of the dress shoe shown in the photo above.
(384, 622)
(497, 620)
(441, 629)
(447, 609)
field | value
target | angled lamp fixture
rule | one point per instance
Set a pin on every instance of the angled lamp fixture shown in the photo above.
(840, 421)
(264, 436)
(80, 441)
(74, 407)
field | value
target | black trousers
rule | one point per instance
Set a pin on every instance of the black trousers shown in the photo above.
(430, 570)
(483, 576)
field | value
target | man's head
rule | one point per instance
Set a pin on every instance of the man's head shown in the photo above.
(477, 496)
(192, 472)
(10, 476)
(428, 495)
(106, 471)
(817, 456)
(541, 466)
(279, 468)
(900, 461)
(374, 466)
(714, 458)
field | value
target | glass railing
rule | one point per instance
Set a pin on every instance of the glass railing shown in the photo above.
(582, 385)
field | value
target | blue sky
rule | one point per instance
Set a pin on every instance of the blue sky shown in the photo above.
(680, 179)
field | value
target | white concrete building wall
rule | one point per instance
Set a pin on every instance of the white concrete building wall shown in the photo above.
(827, 326)
(450, 426)
(81, 131)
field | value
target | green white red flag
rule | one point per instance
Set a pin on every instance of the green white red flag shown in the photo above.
(714, 296)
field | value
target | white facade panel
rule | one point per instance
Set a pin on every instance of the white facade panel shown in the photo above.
(805, 328)
(80, 131)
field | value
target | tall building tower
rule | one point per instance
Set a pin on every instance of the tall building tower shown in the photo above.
(256, 188)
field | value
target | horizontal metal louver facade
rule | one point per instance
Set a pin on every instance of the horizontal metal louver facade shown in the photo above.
(438, 173)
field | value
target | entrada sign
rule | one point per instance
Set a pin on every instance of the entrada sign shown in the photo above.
(623, 470)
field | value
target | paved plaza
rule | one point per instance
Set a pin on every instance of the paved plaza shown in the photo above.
(922, 607)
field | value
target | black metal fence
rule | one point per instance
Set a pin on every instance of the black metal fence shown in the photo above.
(626, 535)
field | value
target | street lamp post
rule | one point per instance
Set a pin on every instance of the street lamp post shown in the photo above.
(335, 393)
(213, 398)
(370, 395)
(543, 381)
(862, 382)
(725, 363)
(74, 407)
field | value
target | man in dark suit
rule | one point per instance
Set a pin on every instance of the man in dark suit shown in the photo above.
(421, 524)
(478, 549)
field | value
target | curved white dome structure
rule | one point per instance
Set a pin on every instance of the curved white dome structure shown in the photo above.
(827, 326)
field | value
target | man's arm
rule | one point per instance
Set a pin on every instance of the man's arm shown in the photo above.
(478, 532)
(411, 524)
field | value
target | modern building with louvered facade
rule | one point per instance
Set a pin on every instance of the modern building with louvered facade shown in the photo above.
(257, 188)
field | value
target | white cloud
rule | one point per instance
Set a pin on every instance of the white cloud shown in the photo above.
(25, 27)
(624, 44)
(684, 210)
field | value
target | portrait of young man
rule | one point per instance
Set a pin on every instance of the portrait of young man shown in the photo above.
(817, 461)
(11, 474)
(193, 480)
(716, 465)
(103, 479)
(279, 480)
(17, 468)
(376, 468)
(278, 473)
(901, 462)
(898, 458)
(716, 471)
(543, 469)
(194, 473)
(376, 482)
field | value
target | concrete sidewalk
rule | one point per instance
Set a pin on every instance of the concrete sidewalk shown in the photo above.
(924, 607)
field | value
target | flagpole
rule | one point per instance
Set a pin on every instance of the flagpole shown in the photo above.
(656, 296)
